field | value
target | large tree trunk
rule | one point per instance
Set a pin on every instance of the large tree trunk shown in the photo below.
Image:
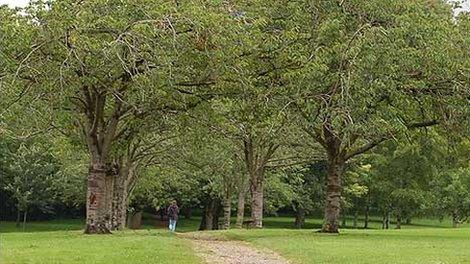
(120, 203)
(120, 198)
(97, 217)
(333, 193)
(241, 206)
(109, 195)
(99, 133)
(257, 201)
(255, 162)
(227, 207)
(117, 192)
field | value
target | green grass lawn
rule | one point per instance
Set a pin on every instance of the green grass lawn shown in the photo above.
(142, 246)
(431, 245)
(426, 241)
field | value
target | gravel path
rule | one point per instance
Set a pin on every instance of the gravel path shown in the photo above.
(234, 252)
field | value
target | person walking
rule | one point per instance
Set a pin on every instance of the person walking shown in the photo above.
(172, 211)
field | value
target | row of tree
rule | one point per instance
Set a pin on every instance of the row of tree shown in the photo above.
(232, 91)
(426, 177)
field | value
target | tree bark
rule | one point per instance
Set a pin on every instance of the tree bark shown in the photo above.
(109, 196)
(333, 193)
(257, 201)
(120, 203)
(97, 218)
(120, 197)
(255, 162)
(118, 175)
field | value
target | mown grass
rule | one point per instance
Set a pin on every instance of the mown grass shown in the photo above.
(142, 246)
(426, 241)
(431, 245)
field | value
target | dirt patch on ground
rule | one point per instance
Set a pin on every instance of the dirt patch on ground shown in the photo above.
(234, 252)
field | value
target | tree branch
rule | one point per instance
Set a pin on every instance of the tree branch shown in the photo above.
(383, 138)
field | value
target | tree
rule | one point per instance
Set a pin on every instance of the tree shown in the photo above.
(107, 64)
(14, 88)
(28, 177)
(450, 194)
(355, 191)
(214, 162)
(373, 70)
(307, 183)
(112, 76)
(278, 193)
(453, 196)
(143, 144)
(402, 175)
(246, 96)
